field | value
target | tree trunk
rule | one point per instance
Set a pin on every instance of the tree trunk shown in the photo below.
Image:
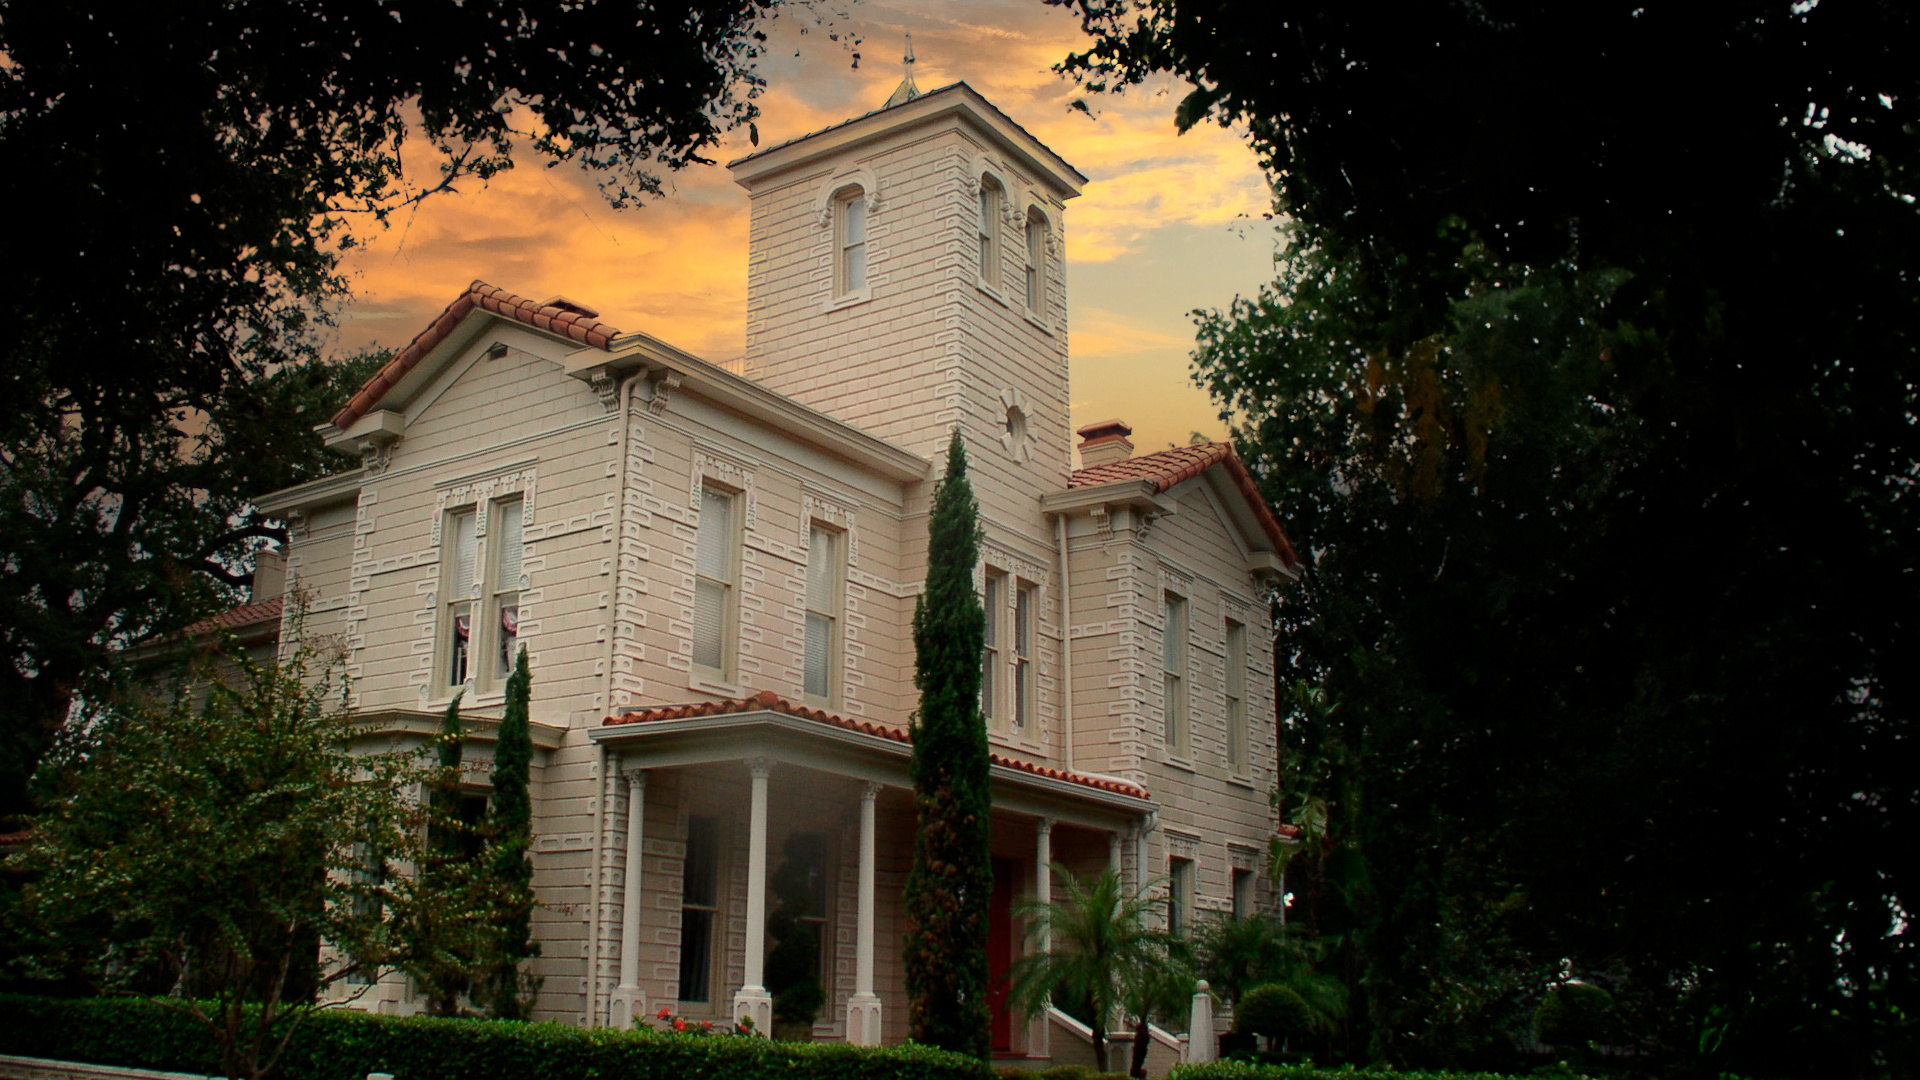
(1141, 1040)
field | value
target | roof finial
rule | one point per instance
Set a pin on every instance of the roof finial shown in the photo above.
(906, 91)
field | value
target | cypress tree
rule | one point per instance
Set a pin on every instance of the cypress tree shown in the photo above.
(952, 875)
(507, 994)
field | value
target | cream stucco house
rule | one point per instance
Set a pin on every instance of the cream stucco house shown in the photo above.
(714, 569)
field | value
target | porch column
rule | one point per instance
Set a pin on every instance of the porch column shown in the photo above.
(753, 1002)
(1038, 1044)
(1114, 862)
(629, 1001)
(863, 1008)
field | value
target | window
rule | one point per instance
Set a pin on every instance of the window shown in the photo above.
(1236, 697)
(1174, 681)
(850, 262)
(714, 596)
(699, 908)
(1243, 896)
(503, 621)
(458, 547)
(825, 582)
(1025, 600)
(989, 229)
(1036, 262)
(480, 650)
(1179, 896)
(990, 656)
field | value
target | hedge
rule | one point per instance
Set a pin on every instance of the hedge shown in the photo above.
(1234, 1070)
(344, 1044)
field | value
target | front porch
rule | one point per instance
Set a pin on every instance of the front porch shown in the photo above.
(723, 819)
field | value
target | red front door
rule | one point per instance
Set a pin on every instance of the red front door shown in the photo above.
(1000, 952)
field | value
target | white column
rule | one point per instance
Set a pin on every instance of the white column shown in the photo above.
(1114, 862)
(1038, 1042)
(863, 1008)
(753, 1002)
(1203, 1045)
(629, 1002)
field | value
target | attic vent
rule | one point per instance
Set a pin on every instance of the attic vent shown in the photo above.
(575, 306)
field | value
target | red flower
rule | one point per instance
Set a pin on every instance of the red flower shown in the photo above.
(679, 1024)
(706, 1025)
(663, 1013)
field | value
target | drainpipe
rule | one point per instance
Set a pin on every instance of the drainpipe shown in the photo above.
(1066, 646)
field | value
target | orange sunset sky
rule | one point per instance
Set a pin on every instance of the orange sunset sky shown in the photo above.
(1168, 223)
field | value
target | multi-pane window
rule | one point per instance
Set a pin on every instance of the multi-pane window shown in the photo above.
(1236, 696)
(480, 618)
(1243, 896)
(1179, 895)
(459, 547)
(1036, 261)
(1025, 599)
(989, 230)
(1174, 667)
(850, 262)
(825, 574)
(503, 583)
(714, 593)
(995, 602)
(699, 908)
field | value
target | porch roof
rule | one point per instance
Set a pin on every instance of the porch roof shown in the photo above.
(766, 701)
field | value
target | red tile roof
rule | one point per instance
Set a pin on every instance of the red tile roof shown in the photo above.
(1170, 467)
(243, 616)
(768, 701)
(565, 319)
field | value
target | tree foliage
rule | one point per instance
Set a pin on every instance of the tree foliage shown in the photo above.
(506, 992)
(951, 880)
(203, 843)
(1105, 960)
(206, 162)
(1594, 401)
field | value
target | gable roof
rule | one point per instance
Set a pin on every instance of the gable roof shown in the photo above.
(768, 701)
(239, 618)
(563, 317)
(1167, 468)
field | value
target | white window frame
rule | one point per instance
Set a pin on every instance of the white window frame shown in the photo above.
(1174, 653)
(453, 658)
(729, 621)
(995, 647)
(715, 910)
(827, 543)
(991, 203)
(1025, 641)
(1036, 235)
(851, 268)
(503, 594)
(1239, 750)
(481, 599)
(1180, 872)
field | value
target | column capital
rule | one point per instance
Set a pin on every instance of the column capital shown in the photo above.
(871, 790)
(760, 767)
(636, 778)
(1044, 826)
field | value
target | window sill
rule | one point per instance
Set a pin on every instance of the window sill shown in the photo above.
(1184, 764)
(1038, 323)
(707, 680)
(852, 299)
(990, 292)
(1241, 780)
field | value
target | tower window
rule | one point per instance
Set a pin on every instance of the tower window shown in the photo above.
(991, 195)
(850, 262)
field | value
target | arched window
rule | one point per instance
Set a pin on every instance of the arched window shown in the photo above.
(1036, 261)
(850, 248)
(991, 194)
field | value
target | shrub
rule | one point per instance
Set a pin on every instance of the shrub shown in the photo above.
(342, 1044)
(1574, 1014)
(1234, 1070)
(1274, 1011)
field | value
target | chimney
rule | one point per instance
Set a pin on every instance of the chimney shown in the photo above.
(269, 575)
(1104, 443)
